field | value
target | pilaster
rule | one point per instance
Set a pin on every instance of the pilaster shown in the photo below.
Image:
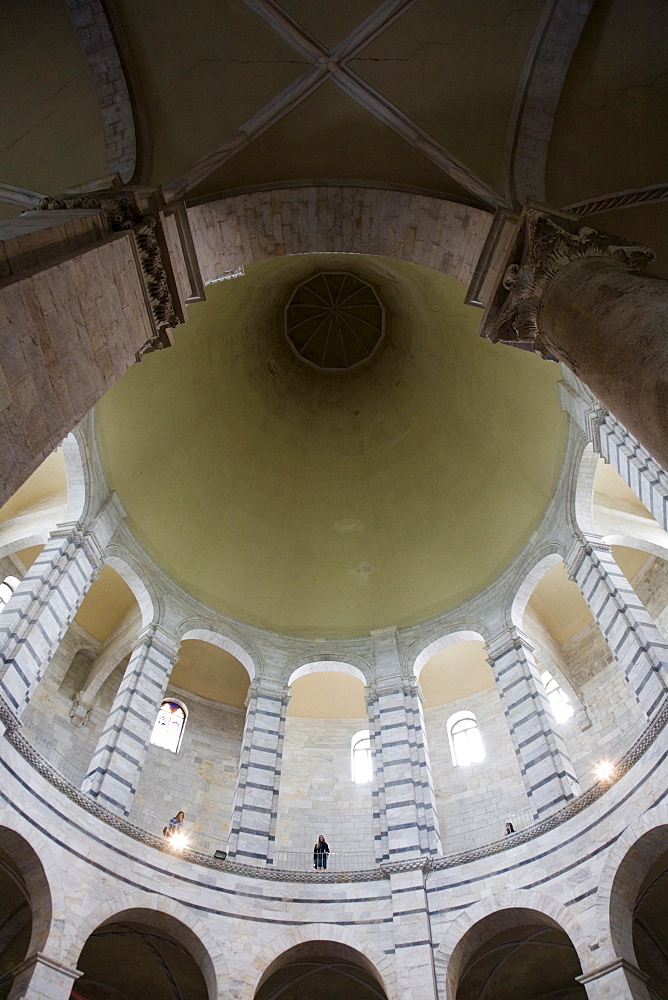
(619, 980)
(118, 761)
(40, 977)
(404, 804)
(613, 442)
(627, 626)
(545, 764)
(411, 929)
(253, 826)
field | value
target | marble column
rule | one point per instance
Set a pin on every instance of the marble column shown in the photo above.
(253, 827)
(613, 442)
(118, 761)
(545, 764)
(574, 295)
(404, 803)
(42, 607)
(619, 980)
(627, 627)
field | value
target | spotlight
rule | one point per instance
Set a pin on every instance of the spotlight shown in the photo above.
(605, 771)
(178, 841)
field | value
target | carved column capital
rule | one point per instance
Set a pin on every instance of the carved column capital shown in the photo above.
(544, 243)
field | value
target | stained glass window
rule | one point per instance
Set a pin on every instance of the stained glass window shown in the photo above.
(169, 726)
(360, 749)
(465, 740)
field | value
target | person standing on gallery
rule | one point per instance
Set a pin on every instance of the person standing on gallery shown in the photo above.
(320, 852)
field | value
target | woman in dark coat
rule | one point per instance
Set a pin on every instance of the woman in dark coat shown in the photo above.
(320, 852)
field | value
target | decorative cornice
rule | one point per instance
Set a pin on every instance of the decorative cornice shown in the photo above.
(653, 730)
(153, 637)
(545, 243)
(15, 737)
(123, 212)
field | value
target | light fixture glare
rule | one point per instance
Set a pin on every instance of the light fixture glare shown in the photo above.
(178, 841)
(605, 770)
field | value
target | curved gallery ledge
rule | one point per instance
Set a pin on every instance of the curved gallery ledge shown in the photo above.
(618, 770)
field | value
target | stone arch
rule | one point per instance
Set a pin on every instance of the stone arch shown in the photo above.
(530, 581)
(238, 230)
(642, 544)
(626, 865)
(489, 916)
(419, 659)
(31, 854)
(518, 610)
(75, 469)
(287, 939)
(224, 640)
(583, 499)
(33, 525)
(122, 643)
(327, 666)
(147, 599)
(164, 913)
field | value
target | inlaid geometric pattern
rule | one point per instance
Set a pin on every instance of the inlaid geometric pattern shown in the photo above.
(334, 321)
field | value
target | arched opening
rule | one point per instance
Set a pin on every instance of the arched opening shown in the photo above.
(326, 713)
(25, 905)
(36, 508)
(517, 953)
(571, 652)
(476, 795)
(210, 685)
(325, 969)
(650, 926)
(142, 953)
(71, 704)
(639, 908)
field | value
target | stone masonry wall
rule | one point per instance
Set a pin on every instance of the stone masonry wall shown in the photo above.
(474, 802)
(433, 232)
(651, 585)
(199, 779)
(47, 717)
(317, 793)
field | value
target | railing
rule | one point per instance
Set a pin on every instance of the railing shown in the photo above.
(335, 861)
(466, 840)
(195, 840)
(208, 851)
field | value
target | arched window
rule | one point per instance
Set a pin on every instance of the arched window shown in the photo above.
(168, 729)
(360, 758)
(7, 588)
(559, 703)
(465, 740)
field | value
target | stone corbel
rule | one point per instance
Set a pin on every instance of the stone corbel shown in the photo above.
(80, 711)
(545, 241)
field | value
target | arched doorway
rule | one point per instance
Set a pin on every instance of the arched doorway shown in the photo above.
(639, 909)
(141, 953)
(518, 953)
(326, 969)
(25, 905)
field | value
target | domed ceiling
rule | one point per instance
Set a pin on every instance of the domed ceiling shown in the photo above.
(330, 503)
